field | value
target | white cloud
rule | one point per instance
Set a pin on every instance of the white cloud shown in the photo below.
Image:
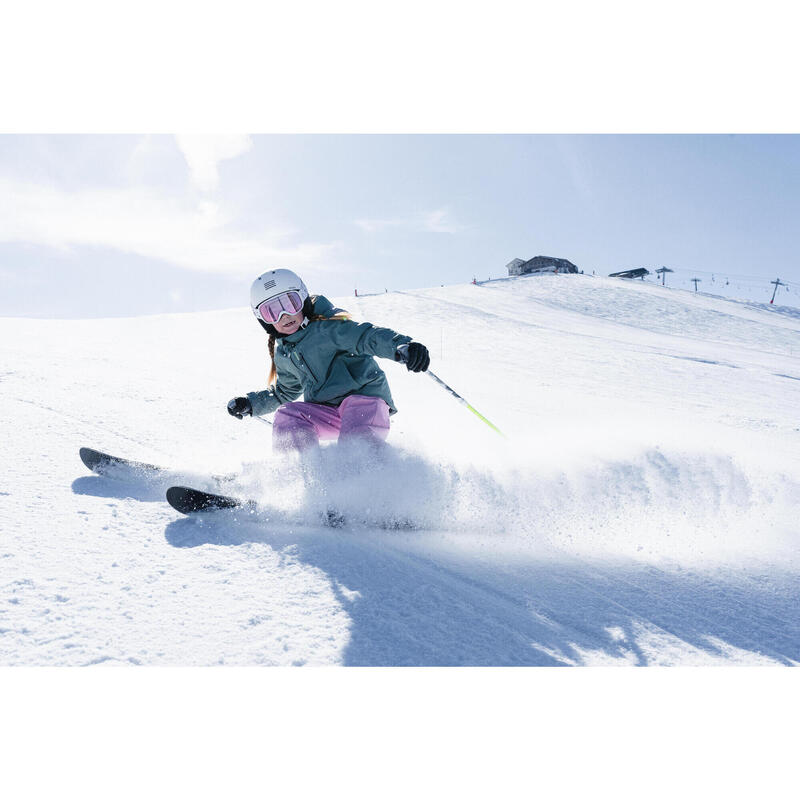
(373, 225)
(146, 222)
(203, 154)
(438, 221)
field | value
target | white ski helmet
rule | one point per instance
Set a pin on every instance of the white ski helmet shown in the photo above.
(273, 283)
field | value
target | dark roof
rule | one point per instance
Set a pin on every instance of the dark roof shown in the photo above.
(540, 263)
(549, 261)
(630, 273)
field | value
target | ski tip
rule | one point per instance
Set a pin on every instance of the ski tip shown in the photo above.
(183, 499)
(190, 501)
(90, 457)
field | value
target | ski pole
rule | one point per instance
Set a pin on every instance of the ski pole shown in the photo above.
(464, 402)
(402, 352)
(261, 419)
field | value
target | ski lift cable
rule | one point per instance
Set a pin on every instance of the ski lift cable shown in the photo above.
(728, 275)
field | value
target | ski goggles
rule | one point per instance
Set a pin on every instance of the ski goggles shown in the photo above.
(273, 309)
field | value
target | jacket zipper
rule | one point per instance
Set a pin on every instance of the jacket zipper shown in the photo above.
(303, 362)
(300, 362)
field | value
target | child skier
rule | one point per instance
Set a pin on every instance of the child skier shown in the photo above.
(325, 356)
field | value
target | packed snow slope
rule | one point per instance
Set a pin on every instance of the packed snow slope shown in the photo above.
(643, 508)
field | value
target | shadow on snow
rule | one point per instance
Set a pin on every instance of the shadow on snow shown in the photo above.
(98, 486)
(411, 610)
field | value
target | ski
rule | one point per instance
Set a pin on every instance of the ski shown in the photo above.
(103, 463)
(190, 501)
(114, 466)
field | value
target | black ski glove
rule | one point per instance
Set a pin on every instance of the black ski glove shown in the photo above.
(415, 355)
(240, 407)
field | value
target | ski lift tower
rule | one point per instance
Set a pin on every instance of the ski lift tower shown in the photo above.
(778, 282)
(663, 271)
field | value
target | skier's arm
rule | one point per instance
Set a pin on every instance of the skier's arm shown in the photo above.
(365, 339)
(286, 388)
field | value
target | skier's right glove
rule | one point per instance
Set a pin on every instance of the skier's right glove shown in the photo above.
(240, 407)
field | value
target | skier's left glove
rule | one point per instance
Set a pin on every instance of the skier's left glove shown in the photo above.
(240, 407)
(415, 356)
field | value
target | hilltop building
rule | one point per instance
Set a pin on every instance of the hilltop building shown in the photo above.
(540, 265)
(638, 272)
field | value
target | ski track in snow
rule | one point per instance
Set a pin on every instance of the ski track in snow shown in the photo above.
(643, 512)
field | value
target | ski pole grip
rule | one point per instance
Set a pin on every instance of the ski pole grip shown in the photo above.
(401, 354)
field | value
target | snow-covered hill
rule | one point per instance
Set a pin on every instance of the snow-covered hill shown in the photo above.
(643, 508)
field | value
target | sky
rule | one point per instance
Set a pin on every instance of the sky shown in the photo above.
(117, 225)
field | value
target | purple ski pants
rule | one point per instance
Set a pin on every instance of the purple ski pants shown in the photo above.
(300, 425)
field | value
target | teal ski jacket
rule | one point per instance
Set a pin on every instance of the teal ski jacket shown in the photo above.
(329, 360)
